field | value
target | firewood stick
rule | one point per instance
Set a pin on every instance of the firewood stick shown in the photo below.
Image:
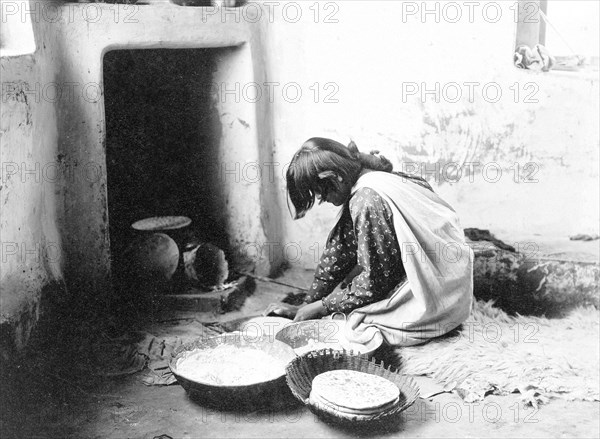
(266, 279)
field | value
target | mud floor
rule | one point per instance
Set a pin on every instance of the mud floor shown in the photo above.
(39, 402)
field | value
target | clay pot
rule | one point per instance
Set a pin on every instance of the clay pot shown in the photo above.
(154, 256)
(206, 265)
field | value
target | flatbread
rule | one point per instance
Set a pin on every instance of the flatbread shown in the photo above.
(356, 391)
(327, 406)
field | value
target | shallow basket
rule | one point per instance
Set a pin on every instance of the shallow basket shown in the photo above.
(248, 396)
(302, 370)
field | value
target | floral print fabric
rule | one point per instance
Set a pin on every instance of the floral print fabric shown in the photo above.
(363, 236)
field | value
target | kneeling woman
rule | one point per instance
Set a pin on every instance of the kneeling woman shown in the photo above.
(414, 268)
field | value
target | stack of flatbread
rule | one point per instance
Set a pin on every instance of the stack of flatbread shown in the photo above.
(353, 394)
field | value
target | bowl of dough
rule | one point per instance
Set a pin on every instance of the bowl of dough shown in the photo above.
(313, 335)
(233, 371)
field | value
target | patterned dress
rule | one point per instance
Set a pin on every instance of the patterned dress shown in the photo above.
(363, 236)
(417, 269)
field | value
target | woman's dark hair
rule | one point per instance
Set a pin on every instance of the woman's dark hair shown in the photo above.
(316, 166)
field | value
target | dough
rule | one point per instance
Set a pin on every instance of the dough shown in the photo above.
(228, 365)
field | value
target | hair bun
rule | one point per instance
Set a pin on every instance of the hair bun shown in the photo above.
(385, 164)
(354, 150)
(373, 160)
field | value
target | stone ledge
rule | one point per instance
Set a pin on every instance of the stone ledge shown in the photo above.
(217, 302)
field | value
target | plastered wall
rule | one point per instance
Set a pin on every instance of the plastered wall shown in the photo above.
(56, 125)
(393, 85)
(30, 196)
(513, 151)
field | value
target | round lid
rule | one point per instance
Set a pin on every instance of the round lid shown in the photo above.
(157, 223)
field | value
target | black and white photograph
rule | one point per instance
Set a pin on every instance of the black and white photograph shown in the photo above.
(299, 219)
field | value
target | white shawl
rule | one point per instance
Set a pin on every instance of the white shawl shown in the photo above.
(438, 294)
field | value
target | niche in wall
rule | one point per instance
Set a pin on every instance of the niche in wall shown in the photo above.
(162, 143)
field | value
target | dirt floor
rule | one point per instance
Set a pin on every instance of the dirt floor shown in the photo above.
(127, 409)
(39, 402)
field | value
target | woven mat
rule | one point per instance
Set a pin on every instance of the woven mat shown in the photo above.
(494, 353)
(148, 352)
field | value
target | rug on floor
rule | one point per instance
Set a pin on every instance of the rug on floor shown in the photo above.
(495, 353)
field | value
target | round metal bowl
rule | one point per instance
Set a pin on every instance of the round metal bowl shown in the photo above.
(243, 397)
(262, 326)
(326, 331)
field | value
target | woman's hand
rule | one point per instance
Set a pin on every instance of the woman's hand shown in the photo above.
(313, 310)
(281, 309)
